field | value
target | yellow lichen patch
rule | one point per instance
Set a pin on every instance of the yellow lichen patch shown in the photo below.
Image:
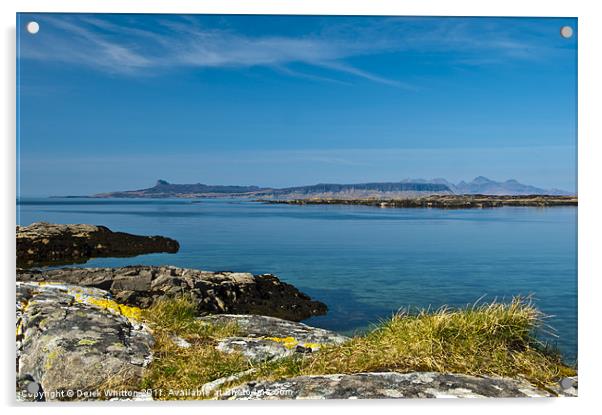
(288, 342)
(133, 313)
(86, 342)
(51, 357)
(45, 283)
(291, 342)
(20, 328)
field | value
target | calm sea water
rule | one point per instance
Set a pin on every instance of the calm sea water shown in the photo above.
(363, 262)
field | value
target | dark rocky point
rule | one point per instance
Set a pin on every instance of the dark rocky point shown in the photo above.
(43, 243)
(214, 292)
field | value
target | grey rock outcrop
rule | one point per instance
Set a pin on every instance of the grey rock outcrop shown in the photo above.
(567, 387)
(266, 338)
(386, 385)
(74, 343)
(214, 292)
(43, 243)
(72, 340)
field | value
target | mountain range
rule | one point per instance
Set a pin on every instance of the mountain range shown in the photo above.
(405, 188)
(483, 186)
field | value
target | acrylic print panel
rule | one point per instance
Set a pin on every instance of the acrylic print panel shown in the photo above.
(281, 207)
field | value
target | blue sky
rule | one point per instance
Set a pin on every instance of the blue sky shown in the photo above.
(114, 102)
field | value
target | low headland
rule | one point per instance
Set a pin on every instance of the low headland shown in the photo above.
(44, 243)
(194, 334)
(440, 201)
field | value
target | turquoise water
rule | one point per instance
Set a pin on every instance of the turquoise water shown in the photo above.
(363, 262)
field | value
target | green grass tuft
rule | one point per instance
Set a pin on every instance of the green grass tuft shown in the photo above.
(493, 339)
(177, 368)
(179, 316)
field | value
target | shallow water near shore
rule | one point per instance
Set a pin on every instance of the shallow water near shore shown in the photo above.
(363, 262)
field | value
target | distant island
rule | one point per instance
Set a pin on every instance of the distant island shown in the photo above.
(441, 201)
(405, 189)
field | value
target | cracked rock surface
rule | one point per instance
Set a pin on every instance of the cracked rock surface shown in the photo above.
(385, 386)
(213, 292)
(72, 340)
(266, 338)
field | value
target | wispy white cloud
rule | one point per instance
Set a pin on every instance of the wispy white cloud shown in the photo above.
(297, 74)
(78, 43)
(163, 43)
(342, 67)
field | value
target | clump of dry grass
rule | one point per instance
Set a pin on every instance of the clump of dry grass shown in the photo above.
(178, 316)
(175, 368)
(495, 339)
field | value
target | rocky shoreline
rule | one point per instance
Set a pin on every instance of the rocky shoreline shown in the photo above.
(440, 201)
(78, 329)
(82, 333)
(72, 340)
(212, 292)
(44, 243)
(78, 343)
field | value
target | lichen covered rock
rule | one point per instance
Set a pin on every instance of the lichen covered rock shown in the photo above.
(44, 243)
(266, 338)
(73, 340)
(385, 386)
(213, 292)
